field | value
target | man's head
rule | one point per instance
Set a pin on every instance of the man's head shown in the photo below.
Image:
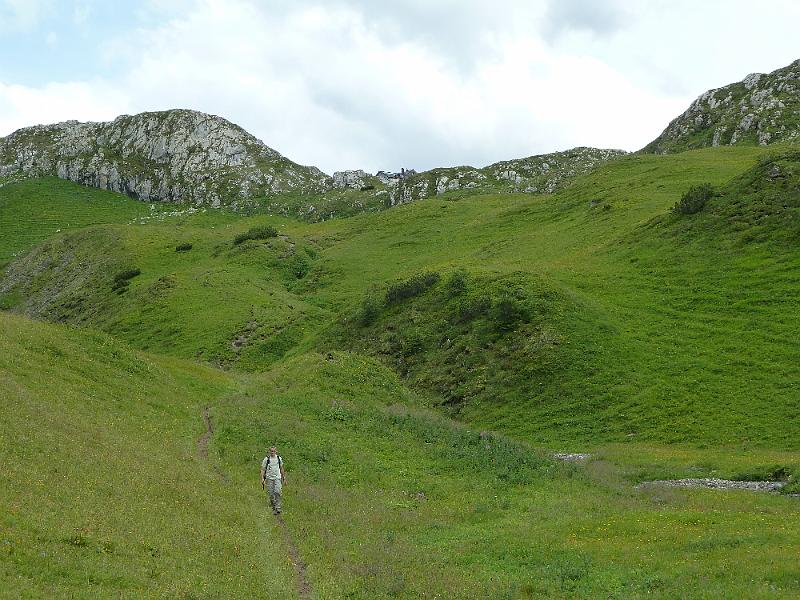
(273, 451)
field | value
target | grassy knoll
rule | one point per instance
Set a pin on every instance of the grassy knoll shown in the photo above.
(33, 210)
(104, 493)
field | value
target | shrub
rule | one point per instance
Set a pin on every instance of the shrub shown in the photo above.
(185, 247)
(506, 313)
(298, 265)
(127, 274)
(456, 284)
(256, 233)
(403, 290)
(470, 308)
(368, 312)
(694, 199)
(765, 473)
(122, 279)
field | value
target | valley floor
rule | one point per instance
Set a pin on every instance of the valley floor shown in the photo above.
(108, 493)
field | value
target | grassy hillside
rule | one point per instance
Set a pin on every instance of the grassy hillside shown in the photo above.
(104, 491)
(109, 494)
(390, 500)
(626, 322)
(34, 209)
(596, 318)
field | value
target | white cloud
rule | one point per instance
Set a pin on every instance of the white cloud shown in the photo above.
(598, 18)
(21, 106)
(324, 86)
(22, 15)
(349, 83)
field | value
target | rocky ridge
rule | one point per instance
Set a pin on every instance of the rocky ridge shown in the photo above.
(541, 174)
(178, 156)
(760, 109)
(196, 159)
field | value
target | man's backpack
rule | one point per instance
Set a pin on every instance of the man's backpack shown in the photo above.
(280, 462)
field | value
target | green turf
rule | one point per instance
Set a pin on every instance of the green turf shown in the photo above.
(104, 492)
(592, 319)
(384, 498)
(34, 209)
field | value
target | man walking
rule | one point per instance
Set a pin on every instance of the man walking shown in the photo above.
(275, 477)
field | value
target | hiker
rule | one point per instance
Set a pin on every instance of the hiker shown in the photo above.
(275, 477)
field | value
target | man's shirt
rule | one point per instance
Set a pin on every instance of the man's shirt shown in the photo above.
(273, 469)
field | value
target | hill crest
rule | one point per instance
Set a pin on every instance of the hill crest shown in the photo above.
(177, 156)
(761, 109)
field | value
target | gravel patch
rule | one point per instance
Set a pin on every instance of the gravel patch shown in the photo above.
(718, 484)
(571, 457)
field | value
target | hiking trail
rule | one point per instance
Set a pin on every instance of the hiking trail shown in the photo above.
(299, 565)
(303, 584)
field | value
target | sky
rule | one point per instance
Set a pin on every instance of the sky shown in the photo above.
(347, 84)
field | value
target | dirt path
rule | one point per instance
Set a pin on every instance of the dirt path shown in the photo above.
(202, 443)
(303, 584)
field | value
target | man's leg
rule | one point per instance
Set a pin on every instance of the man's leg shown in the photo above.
(271, 490)
(277, 497)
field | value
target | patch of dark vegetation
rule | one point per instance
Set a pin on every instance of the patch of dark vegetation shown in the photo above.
(185, 247)
(123, 278)
(767, 473)
(368, 312)
(298, 265)
(506, 313)
(456, 283)
(263, 232)
(471, 308)
(127, 274)
(694, 199)
(414, 286)
(470, 338)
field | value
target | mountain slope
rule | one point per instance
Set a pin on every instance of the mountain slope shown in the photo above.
(760, 109)
(110, 494)
(622, 317)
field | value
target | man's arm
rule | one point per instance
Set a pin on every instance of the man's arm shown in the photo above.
(263, 476)
(283, 474)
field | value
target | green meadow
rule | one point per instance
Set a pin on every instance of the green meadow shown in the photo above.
(417, 367)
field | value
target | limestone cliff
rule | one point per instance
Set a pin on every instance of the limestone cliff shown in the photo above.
(179, 156)
(542, 174)
(760, 109)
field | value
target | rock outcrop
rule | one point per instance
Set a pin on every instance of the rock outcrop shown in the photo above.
(542, 174)
(178, 156)
(760, 109)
